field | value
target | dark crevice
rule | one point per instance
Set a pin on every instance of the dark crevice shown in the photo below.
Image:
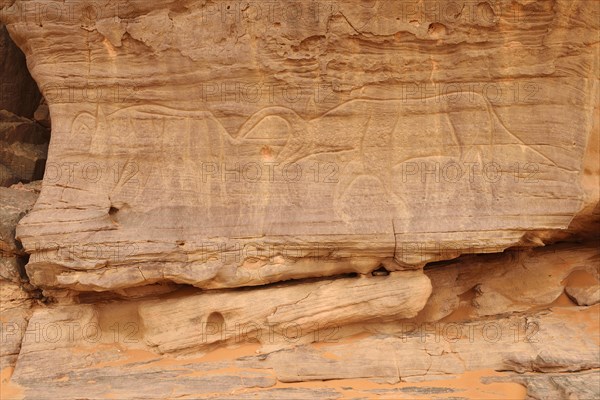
(24, 118)
(25, 283)
(293, 282)
(179, 289)
(380, 271)
(21, 263)
(444, 263)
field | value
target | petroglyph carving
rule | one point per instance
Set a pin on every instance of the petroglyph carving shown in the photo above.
(378, 135)
(366, 139)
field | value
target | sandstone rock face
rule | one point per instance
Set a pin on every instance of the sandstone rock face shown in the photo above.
(297, 200)
(15, 204)
(118, 355)
(305, 307)
(191, 163)
(16, 297)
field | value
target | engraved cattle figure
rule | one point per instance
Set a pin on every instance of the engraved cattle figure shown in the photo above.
(381, 134)
(372, 136)
(164, 151)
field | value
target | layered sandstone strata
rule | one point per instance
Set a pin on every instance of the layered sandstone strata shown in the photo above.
(186, 146)
(393, 199)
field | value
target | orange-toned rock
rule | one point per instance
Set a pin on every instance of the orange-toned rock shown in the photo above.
(181, 154)
(357, 199)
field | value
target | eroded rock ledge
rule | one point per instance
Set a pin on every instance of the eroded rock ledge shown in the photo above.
(502, 322)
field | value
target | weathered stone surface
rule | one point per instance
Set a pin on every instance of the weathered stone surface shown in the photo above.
(23, 147)
(42, 114)
(130, 341)
(114, 359)
(201, 320)
(585, 296)
(342, 204)
(7, 176)
(576, 386)
(15, 302)
(583, 285)
(143, 340)
(15, 310)
(534, 343)
(410, 156)
(515, 281)
(27, 160)
(14, 128)
(14, 204)
(12, 268)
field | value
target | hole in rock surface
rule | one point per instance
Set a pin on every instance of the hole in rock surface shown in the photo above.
(380, 271)
(215, 323)
(436, 29)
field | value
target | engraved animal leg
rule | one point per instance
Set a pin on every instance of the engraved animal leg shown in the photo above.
(353, 171)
